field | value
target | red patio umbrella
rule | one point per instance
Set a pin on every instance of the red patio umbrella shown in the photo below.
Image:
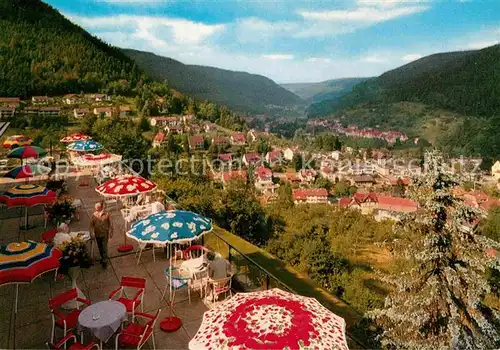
(75, 137)
(125, 186)
(25, 261)
(271, 319)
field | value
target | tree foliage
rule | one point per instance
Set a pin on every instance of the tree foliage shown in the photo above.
(437, 302)
(41, 52)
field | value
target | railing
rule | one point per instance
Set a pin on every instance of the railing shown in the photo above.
(249, 275)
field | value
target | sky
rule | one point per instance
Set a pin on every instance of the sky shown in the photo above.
(290, 40)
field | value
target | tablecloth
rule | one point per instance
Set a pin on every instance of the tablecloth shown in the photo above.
(103, 319)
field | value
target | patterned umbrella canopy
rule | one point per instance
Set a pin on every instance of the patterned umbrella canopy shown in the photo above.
(27, 195)
(75, 137)
(271, 319)
(90, 159)
(125, 186)
(27, 152)
(173, 226)
(28, 170)
(16, 141)
(23, 262)
(85, 146)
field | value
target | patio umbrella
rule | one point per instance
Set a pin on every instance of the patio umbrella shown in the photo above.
(16, 141)
(25, 261)
(271, 319)
(90, 159)
(125, 186)
(85, 146)
(26, 171)
(75, 137)
(24, 152)
(167, 227)
(27, 195)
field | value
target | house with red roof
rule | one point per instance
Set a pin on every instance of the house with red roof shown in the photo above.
(103, 111)
(307, 175)
(238, 139)
(274, 157)
(196, 142)
(159, 138)
(220, 141)
(264, 180)
(310, 195)
(225, 157)
(382, 206)
(166, 121)
(252, 159)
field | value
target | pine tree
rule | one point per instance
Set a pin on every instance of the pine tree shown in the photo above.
(437, 302)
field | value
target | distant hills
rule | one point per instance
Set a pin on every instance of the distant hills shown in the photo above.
(238, 90)
(467, 82)
(41, 52)
(325, 90)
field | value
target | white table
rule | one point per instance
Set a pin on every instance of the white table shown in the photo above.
(102, 319)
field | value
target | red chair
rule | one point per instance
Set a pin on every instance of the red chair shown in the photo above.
(65, 321)
(136, 335)
(189, 253)
(61, 344)
(48, 237)
(138, 299)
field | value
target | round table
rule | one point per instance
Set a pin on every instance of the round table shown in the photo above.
(102, 319)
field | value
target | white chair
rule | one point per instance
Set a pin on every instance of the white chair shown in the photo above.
(218, 287)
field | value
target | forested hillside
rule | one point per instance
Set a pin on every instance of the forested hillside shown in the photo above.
(466, 82)
(238, 90)
(41, 52)
(324, 90)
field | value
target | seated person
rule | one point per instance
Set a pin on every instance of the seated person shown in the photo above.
(218, 268)
(157, 206)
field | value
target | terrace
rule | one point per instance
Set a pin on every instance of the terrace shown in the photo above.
(30, 327)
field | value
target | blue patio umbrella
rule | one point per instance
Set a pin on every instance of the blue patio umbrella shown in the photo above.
(85, 146)
(173, 226)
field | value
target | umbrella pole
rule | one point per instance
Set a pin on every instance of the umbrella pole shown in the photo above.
(170, 323)
(17, 297)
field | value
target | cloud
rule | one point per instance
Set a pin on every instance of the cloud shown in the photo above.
(363, 15)
(318, 59)
(278, 57)
(388, 3)
(411, 57)
(150, 28)
(374, 58)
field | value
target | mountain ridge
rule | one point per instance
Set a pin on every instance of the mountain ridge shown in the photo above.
(467, 82)
(236, 89)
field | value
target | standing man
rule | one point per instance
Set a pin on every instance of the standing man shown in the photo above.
(100, 223)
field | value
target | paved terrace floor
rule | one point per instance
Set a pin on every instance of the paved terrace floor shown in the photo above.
(31, 326)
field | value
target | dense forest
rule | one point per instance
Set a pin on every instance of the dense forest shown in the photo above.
(466, 82)
(238, 90)
(41, 52)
